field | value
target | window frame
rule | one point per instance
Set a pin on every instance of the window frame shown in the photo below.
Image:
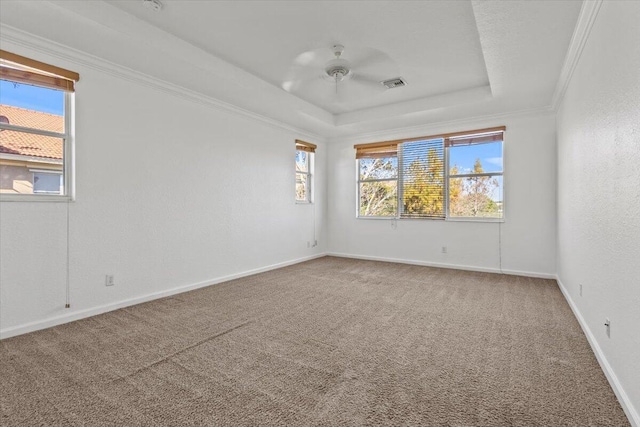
(67, 156)
(447, 177)
(22, 70)
(309, 149)
(359, 182)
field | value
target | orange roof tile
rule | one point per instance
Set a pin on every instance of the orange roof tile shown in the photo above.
(28, 144)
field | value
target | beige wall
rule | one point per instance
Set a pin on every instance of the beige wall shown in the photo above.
(17, 178)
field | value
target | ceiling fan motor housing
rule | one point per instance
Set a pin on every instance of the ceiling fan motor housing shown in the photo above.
(338, 69)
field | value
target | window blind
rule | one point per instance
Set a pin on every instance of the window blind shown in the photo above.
(305, 146)
(20, 69)
(481, 138)
(422, 178)
(376, 151)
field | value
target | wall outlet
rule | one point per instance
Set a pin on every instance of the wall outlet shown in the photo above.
(444, 249)
(607, 325)
(315, 243)
(580, 289)
(108, 281)
(308, 244)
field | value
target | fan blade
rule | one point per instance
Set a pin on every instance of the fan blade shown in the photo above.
(298, 75)
(306, 67)
(316, 58)
(372, 62)
(357, 88)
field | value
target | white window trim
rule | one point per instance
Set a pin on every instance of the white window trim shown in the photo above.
(447, 176)
(68, 168)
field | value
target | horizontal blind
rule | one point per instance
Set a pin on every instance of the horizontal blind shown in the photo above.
(20, 69)
(305, 146)
(482, 138)
(376, 151)
(422, 179)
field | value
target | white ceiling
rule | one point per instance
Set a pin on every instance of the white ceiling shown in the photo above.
(460, 58)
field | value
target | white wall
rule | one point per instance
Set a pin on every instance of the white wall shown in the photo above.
(599, 192)
(527, 234)
(170, 193)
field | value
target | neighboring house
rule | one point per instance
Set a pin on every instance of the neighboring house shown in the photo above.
(30, 163)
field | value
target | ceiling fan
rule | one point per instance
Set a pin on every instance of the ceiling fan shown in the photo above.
(327, 74)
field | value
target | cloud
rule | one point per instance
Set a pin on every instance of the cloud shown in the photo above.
(497, 161)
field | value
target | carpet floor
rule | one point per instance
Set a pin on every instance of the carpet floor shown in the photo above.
(329, 342)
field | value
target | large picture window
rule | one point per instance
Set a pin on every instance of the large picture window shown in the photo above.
(35, 122)
(438, 177)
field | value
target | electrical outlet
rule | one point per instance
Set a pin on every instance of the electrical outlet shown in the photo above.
(581, 289)
(315, 243)
(607, 325)
(308, 244)
(109, 280)
(444, 249)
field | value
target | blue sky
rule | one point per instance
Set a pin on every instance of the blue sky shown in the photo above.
(32, 97)
(464, 156)
(490, 155)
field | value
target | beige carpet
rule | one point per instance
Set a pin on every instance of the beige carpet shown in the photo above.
(326, 342)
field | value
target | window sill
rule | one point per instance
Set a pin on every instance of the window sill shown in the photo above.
(4, 197)
(472, 219)
(469, 219)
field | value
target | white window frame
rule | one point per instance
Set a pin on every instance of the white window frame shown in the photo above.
(471, 175)
(309, 174)
(67, 157)
(447, 176)
(398, 181)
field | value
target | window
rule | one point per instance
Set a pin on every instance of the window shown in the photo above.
(35, 117)
(438, 177)
(304, 167)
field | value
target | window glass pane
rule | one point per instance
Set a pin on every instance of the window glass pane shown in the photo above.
(479, 196)
(423, 179)
(20, 152)
(379, 198)
(301, 187)
(31, 106)
(23, 144)
(475, 158)
(382, 168)
(302, 161)
(47, 183)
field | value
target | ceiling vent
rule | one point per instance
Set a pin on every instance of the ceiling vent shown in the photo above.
(393, 83)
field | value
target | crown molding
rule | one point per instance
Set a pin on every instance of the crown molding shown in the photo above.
(422, 128)
(586, 19)
(33, 42)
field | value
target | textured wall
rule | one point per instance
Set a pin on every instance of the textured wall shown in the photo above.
(599, 188)
(527, 236)
(170, 193)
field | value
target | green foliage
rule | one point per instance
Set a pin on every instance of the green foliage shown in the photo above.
(423, 191)
(378, 198)
(471, 196)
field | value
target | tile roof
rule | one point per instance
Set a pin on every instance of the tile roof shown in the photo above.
(28, 144)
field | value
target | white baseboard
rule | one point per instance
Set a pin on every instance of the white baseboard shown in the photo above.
(624, 400)
(88, 312)
(444, 265)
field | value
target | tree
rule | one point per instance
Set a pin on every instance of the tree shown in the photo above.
(471, 196)
(423, 186)
(378, 198)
